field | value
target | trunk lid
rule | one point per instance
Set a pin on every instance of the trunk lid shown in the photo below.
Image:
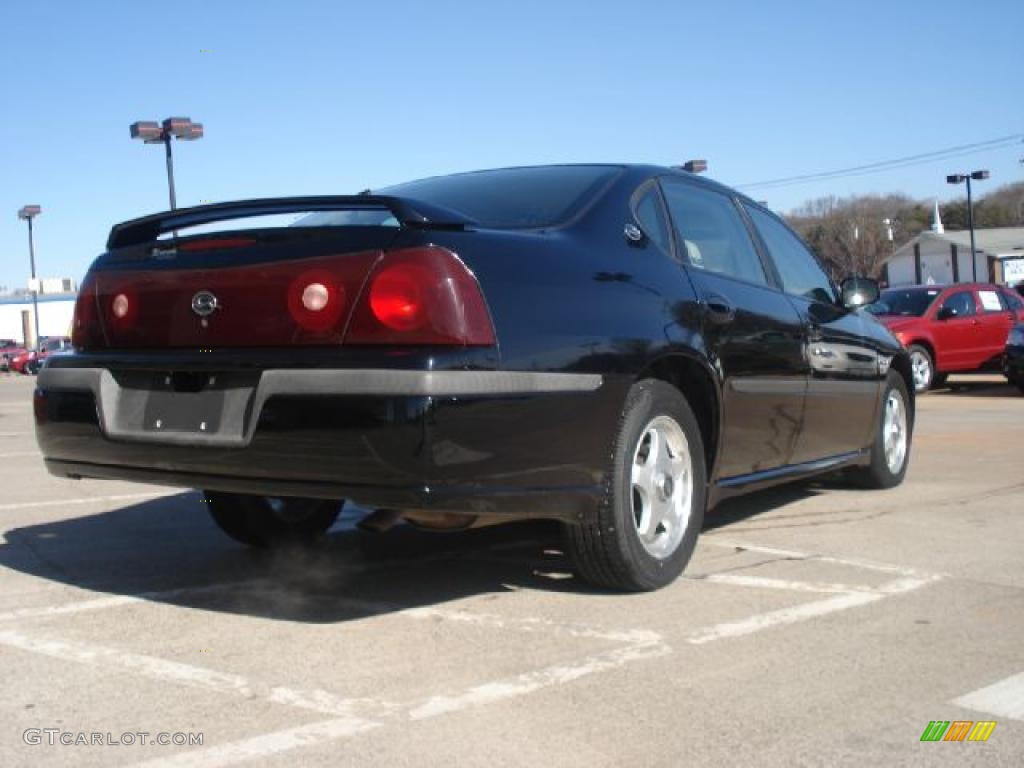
(168, 282)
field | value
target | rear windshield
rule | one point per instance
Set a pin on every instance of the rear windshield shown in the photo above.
(908, 302)
(513, 198)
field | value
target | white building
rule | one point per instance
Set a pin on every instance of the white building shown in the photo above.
(943, 256)
(55, 315)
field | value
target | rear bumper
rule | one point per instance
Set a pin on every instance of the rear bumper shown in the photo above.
(483, 442)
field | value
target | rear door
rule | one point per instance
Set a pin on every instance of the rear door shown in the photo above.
(843, 373)
(956, 330)
(753, 334)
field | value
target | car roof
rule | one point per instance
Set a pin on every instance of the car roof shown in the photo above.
(634, 170)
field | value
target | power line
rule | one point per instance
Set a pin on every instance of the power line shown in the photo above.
(885, 165)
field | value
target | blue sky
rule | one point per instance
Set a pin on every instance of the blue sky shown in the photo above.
(327, 97)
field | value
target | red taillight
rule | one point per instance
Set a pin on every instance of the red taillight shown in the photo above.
(396, 296)
(86, 330)
(421, 296)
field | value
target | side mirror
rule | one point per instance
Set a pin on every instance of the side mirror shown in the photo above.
(945, 313)
(858, 292)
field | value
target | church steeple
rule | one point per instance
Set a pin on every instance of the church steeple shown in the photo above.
(937, 227)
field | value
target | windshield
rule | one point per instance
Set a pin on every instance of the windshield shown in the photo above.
(906, 302)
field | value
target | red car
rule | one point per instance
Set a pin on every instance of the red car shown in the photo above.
(9, 349)
(29, 361)
(950, 329)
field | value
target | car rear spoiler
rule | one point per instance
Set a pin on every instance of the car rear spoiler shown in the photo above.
(410, 213)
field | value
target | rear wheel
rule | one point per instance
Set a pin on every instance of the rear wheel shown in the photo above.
(922, 366)
(647, 525)
(890, 451)
(266, 521)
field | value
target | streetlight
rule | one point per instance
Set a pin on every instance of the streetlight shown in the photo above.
(959, 178)
(152, 132)
(29, 212)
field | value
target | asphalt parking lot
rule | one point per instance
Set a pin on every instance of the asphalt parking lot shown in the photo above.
(816, 625)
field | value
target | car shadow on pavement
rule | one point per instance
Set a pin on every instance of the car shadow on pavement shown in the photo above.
(742, 508)
(167, 550)
(965, 387)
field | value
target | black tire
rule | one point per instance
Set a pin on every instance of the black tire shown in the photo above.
(920, 357)
(939, 380)
(262, 521)
(608, 551)
(879, 474)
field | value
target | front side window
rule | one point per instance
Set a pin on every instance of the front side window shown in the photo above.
(711, 233)
(959, 304)
(799, 271)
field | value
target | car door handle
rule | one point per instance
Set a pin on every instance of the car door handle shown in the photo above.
(719, 310)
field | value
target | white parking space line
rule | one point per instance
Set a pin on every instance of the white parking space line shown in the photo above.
(853, 562)
(797, 613)
(845, 597)
(177, 672)
(763, 582)
(1003, 699)
(353, 716)
(117, 601)
(14, 434)
(530, 682)
(89, 500)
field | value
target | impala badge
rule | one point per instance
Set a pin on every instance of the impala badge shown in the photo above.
(204, 303)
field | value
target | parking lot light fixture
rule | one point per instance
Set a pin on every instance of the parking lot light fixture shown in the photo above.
(152, 132)
(27, 213)
(960, 178)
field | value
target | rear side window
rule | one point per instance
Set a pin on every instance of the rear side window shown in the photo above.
(960, 304)
(710, 232)
(652, 220)
(799, 271)
(992, 301)
(513, 198)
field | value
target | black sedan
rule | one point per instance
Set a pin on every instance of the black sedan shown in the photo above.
(1013, 360)
(616, 347)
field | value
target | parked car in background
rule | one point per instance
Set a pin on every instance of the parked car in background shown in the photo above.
(950, 329)
(30, 361)
(614, 347)
(9, 349)
(1013, 360)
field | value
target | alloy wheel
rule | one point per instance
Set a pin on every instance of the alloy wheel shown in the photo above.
(662, 486)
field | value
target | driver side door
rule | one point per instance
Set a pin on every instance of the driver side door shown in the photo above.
(956, 332)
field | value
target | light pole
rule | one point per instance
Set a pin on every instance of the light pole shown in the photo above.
(152, 132)
(29, 212)
(959, 178)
